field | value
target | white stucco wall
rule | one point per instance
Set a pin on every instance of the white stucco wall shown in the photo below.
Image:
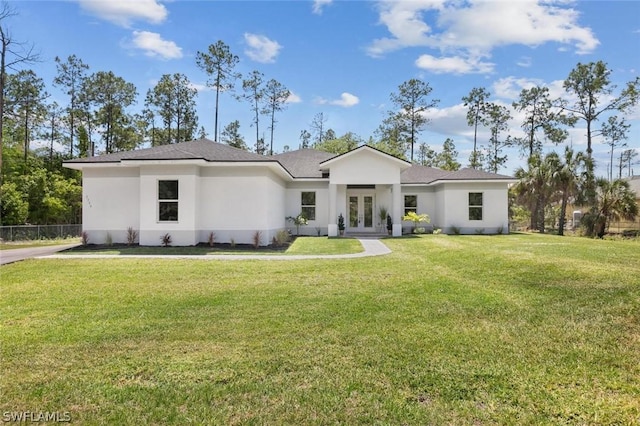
(426, 204)
(495, 216)
(293, 206)
(183, 232)
(235, 202)
(110, 203)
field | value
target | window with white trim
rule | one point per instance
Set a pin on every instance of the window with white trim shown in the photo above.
(410, 204)
(308, 205)
(167, 200)
(475, 206)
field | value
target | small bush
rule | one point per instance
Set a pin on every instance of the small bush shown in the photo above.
(318, 231)
(257, 237)
(455, 230)
(437, 231)
(500, 230)
(419, 230)
(281, 237)
(108, 240)
(232, 243)
(84, 238)
(479, 231)
(212, 239)
(166, 240)
(132, 236)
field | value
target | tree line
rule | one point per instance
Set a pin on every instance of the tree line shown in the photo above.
(99, 104)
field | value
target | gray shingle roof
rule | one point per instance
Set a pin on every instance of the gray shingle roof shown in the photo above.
(473, 174)
(302, 163)
(422, 174)
(204, 149)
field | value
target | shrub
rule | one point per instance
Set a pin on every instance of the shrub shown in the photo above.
(282, 237)
(166, 240)
(108, 240)
(500, 230)
(318, 231)
(257, 237)
(455, 230)
(132, 236)
(416, 219)
(479, 231)
(340, 222)
(232, 243)
(437, 231)
(212, 239)
(419, 230)
(84, 238)
(298, 221)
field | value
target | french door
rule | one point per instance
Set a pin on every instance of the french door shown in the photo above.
(361, 217)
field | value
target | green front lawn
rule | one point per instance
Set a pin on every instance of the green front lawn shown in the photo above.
(520, 329)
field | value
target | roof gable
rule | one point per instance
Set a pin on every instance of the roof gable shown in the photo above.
(365, 148)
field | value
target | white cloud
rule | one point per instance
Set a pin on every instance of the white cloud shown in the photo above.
(153, 45)
(346, 100)
(122, 12)
(200, 87)
(261, 49)
(467, 30)
(524, 62)
(293, 98)
(510, 87)
(453, 65)
(319, 4)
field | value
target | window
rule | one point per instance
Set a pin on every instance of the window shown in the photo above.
(475, 206)
(309, 205)
(168, 200)
(410, 204)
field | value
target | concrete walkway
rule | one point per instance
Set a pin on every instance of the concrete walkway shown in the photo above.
(372, 247)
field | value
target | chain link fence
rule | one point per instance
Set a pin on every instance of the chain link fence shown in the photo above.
(39, 232)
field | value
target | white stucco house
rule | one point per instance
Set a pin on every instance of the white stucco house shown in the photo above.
(193, 188)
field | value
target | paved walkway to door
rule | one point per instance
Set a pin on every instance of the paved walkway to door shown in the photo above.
(372, 247)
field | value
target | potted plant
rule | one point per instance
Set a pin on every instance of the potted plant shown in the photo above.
(341, 224)
(389, 225)
(382, 215)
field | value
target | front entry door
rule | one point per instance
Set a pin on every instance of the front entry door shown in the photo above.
(361, 217)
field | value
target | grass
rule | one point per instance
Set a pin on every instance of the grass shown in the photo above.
(520, 329)
(301, 245)
(12, 245)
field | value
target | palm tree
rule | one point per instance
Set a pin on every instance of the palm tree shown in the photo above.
(567, 181)
(613, 200)
(536, 186)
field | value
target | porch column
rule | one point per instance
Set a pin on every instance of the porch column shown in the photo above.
(333, 214)
(396, 193)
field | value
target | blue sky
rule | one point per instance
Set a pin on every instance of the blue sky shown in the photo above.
(344, 58)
